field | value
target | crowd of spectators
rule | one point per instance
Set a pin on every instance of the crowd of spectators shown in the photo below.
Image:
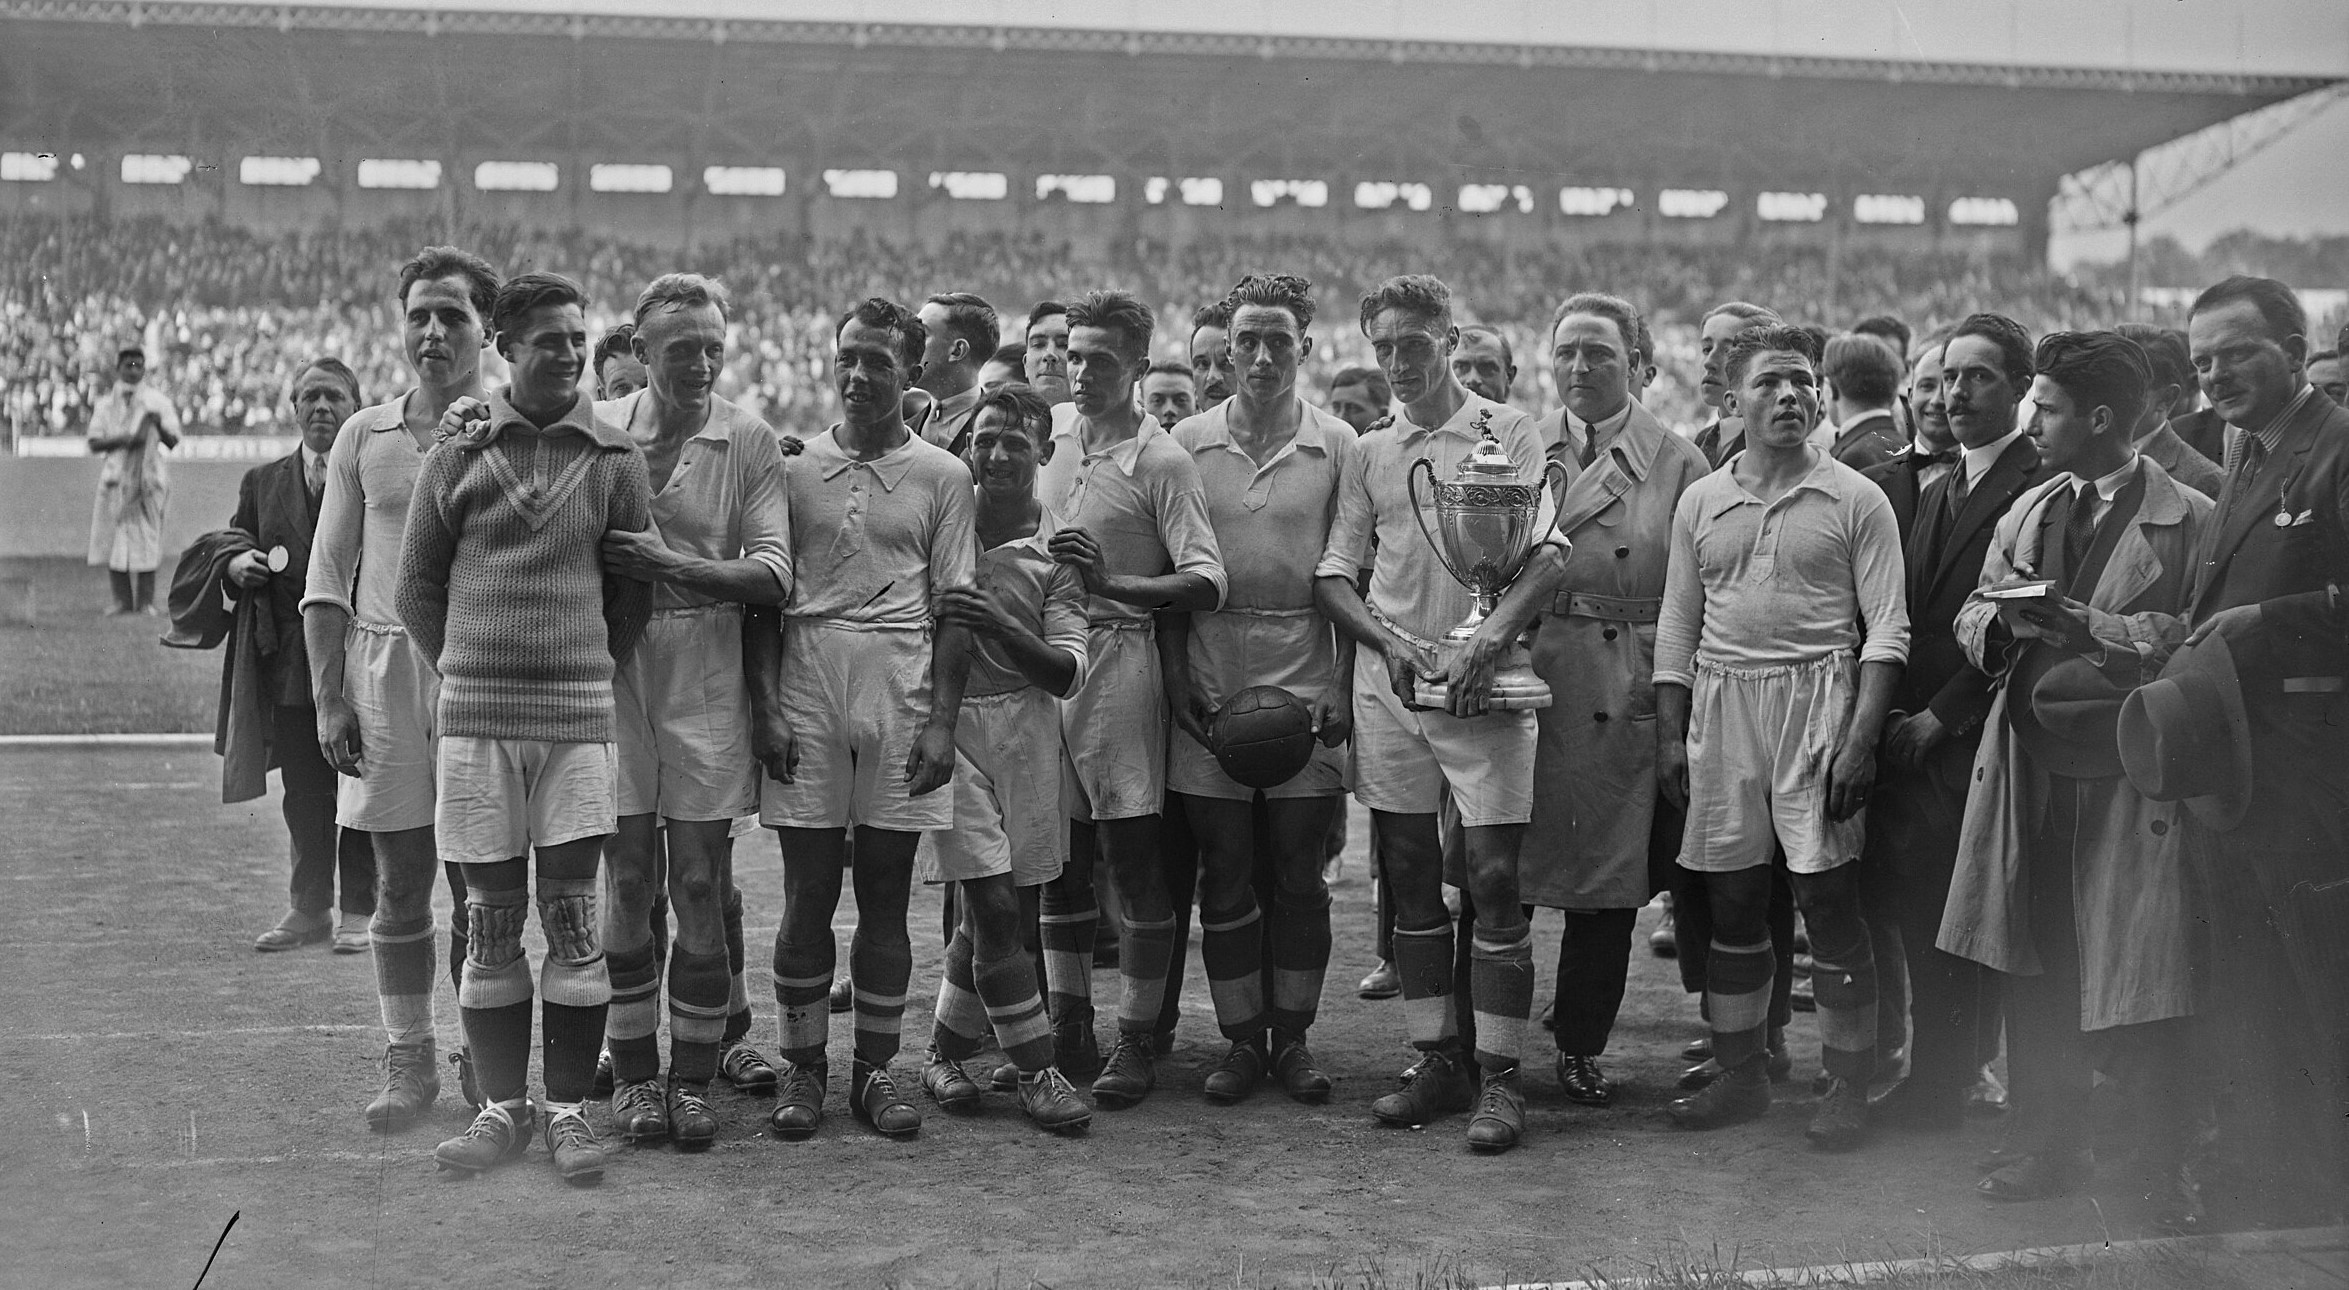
(228, 313)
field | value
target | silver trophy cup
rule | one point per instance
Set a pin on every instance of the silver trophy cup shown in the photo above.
(1484, 530)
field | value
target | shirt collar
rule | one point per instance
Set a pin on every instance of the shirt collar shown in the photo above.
(1123, 455)
(890, 468)
(1464, 423)
(717, 427)
(1602, 432)
(2109, 486)
(1215, 429)
(2272, 433)
(1978, 461)
(579, 419)
(1823, 479)
(954, 405)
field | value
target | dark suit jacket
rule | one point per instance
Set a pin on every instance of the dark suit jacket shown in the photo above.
(1708, 440)
(275, 506)
(2173, 454)
(1944, 555)
(1868, 441)
(1899, 480)
(2204, 432)
(2299, 723)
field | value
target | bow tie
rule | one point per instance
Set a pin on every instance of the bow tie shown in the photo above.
(1945, 457)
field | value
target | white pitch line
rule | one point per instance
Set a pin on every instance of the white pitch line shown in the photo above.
(291, 1157)
(105, 741)
(116, 1035)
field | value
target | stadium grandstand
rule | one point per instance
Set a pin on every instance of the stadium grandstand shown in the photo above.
(235, 181)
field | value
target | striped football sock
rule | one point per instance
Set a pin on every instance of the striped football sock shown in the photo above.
(1500, 977)
(1008, 987)
(632, 1025)
(1737, 998)
(961, 1026)
(1300, 958)
(1141, 962)
(403, 976)
(738, 992)
(697, 1014)
(803, 994)
(1068, 922)
(1231, 944)
(1423, 958)
(879, 971)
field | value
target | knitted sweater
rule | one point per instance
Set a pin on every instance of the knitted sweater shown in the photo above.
(502, 580)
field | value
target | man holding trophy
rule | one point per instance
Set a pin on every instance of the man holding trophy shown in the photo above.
(1444, 692)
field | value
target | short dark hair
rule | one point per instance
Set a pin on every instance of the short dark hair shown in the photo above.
(1021, 400)
(1120, 312)
(436, 262)
(1216, 314)
(1270, 291)
(1167, 367)
(1864, 369)
(1011, 356)
(2014, 343)
(1373, 381)
(328, 364)
(1632, 327)
(617, 343)
(2277, 306)
(1890, 329)
(2165, 349)
(1045, 309)
(2098, 369)
(970, 318)
(527, 291)
(1508, 354)
(1769, 338)
(1421, 295)
(682, 291)
(902, 323)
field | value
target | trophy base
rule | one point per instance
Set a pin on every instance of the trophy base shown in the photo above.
(1516, 687)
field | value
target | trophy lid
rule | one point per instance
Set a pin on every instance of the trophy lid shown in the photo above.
(1489, 463)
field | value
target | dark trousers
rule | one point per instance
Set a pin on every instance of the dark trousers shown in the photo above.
(308, 805)
(1913, 823)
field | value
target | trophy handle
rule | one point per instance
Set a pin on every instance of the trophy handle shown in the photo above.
(1554, 481)
(1419, 513)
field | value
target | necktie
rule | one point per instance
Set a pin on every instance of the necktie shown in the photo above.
(314, 473)
(2079, 530)
(1957, 488)
(2249, 454)
(1586, 449)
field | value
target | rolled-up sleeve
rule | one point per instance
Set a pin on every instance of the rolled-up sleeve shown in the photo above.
(1682, 617)
(1065, 627)
(342, 515)
(766, 503)
(954, 541)
(1878, 577)
(1348, 548)
(1183, 527)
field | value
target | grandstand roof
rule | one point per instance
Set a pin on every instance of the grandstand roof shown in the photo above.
(338, 79)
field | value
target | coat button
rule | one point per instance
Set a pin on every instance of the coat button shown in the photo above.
(1622, 553)
(1599, 717)
(2160, 827)
(1608, 634)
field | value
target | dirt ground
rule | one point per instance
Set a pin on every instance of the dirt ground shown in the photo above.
(176, 1079)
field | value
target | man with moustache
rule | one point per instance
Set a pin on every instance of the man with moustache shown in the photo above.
(377, 695)
(1211, 354)
(1939, 710)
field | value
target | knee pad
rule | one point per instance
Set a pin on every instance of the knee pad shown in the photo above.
(495, 975)
(573, 974)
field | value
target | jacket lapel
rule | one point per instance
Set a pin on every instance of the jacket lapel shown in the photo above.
(1592, 489)
(2253, 504)
(2136, 563)
(2006, 477)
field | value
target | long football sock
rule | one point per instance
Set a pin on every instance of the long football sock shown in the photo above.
(1500, 974)
(1737, 998)
(632, 1025)
(879, 971)
(738, 992)
(494, 999)
(962, 1018)
(1231, 944)
(1068, 923)
(697, 1014)
(1300, 959)
(803, 993)
(1423, 958)
(1142, 960)
(1008, 988)
(403, 976)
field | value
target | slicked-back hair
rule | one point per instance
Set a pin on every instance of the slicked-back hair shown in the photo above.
(2277, 306)
(1743, 310)
(1421, 295)
(1892, 331)
(1120, 312)
(1373, 381)
(2098, 369)
(1217, 314)
(1168, 367)
(1769, 338)
(1508, 354)
(2165, 351)
(2014, 343)
(1021, 400)
(970, 319)
(1629, 323)
(617, 343)
(333, 367)
(1272, 291)
(682, 291)
(1045, 309)
(903, 324)
(436, 262)
(1864, 368)
(527, 291)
